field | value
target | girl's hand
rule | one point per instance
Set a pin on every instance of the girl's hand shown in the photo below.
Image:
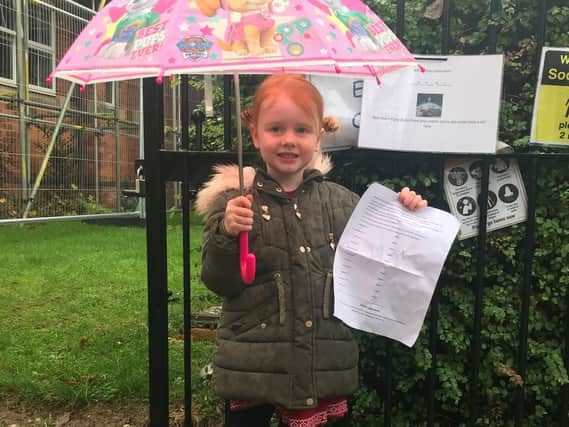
(238, 215)
(411, 200)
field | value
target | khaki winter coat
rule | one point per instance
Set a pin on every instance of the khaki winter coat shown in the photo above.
(278, 341)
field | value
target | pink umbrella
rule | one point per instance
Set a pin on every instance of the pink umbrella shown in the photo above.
(156, 38)
(144, 38)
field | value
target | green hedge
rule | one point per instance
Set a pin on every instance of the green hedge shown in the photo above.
(545, 372)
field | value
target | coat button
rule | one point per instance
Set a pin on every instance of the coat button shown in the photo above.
(308, 323)
(279, 190)
(310, 401)
(259, 184)
(302, 249)
(263, 325)
(308, 249)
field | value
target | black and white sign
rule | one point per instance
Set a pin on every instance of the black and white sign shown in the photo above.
(507, 200)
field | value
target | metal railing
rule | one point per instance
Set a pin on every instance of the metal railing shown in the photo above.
(178, 166)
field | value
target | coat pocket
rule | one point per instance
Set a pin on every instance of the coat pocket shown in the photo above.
(256, 308)
(327, 298)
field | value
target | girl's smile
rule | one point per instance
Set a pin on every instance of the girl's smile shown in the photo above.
(288, 156)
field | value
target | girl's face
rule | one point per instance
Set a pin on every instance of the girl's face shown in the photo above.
(287, 138)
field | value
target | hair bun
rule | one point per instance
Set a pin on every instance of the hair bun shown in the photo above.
(330, 124)
(246, 116)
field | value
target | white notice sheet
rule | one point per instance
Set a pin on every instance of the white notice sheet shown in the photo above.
(387, 264)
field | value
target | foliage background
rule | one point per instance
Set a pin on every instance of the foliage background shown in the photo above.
(546, 372)
(546, 379)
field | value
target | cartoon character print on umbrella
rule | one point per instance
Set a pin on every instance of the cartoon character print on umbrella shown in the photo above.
(362, 31)
(253, 34)
(194, 47)
(142, 38)
(128, 19)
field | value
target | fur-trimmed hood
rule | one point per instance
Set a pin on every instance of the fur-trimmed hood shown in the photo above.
(226, 177)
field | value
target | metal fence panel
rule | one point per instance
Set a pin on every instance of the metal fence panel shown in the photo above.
(94, 149)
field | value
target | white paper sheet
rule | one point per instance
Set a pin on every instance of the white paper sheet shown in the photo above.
(452, 107)
(387, 264)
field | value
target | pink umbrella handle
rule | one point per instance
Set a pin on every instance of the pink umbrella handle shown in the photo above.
(247, 261)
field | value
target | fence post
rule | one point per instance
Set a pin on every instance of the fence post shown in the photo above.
(141, 207)
(156, 254)
(198, 118)
(23, 93)
(117, 146)
(227, 113)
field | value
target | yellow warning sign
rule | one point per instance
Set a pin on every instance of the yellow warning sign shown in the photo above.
(550, 123)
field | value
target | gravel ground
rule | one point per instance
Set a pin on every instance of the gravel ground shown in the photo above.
(16, 413)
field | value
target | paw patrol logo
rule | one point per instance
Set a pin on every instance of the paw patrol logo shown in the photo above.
(194, 47)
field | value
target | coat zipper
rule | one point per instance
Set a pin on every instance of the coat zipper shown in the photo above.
(328, 282)
(331, 241)
(327, 293)
(281, 298)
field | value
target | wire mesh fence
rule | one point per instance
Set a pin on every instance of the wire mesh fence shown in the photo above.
(81, 166)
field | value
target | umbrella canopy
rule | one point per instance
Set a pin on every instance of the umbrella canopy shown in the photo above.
(145, 38)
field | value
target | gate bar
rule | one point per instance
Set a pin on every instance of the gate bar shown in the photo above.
(400, 22)
(564, 410)
(541, 24)
(526, 290)
(185, 139)
(174, 162)
(198, 118)
(493, 29)
(445, 32)
(434, 311)
(388, 382)
(478, 293)
(153, 98)
(227, 113)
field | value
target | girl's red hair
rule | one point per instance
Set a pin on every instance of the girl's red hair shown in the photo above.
(301, 91)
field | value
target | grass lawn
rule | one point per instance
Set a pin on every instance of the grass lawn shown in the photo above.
(73, 318)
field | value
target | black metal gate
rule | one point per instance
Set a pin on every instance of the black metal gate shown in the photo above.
(163, 166)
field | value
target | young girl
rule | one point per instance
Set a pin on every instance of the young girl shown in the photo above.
(279, 346)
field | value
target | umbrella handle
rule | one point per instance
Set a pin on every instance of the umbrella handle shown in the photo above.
(247, 260)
